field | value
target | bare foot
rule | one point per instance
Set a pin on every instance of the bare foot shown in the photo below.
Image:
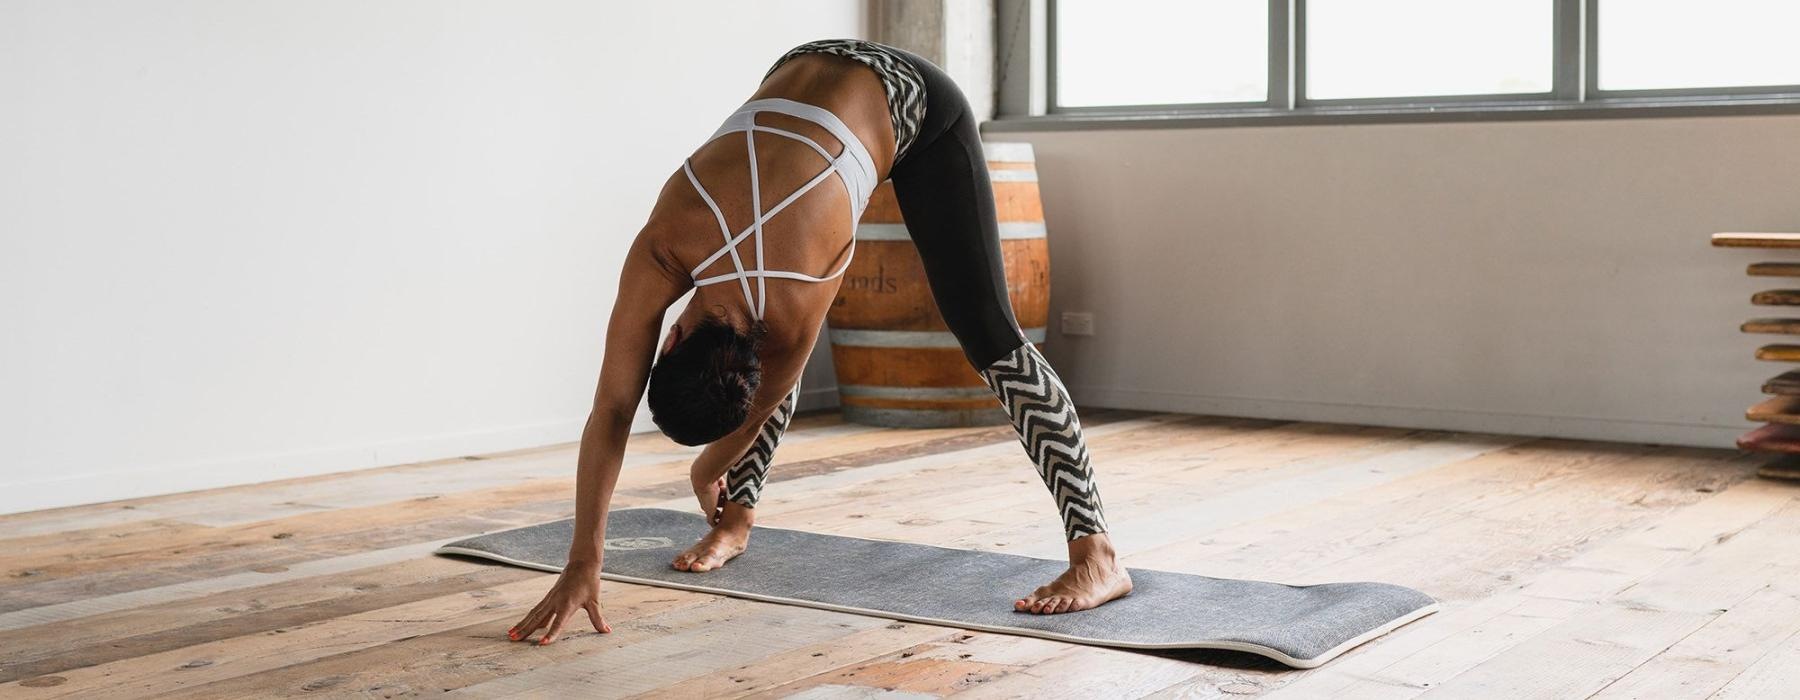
(1094, 578)
(728, 538)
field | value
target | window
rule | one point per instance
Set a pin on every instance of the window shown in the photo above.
(1272, 56)
(1109, 55)
(1673, 44)
(1411, 48)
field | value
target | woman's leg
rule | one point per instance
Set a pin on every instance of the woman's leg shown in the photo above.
(744, 482)
(1051, 432)
(948, 203)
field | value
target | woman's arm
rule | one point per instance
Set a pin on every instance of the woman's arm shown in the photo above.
(630, 350)
(784, 362)
(646, 290)
(707, 473)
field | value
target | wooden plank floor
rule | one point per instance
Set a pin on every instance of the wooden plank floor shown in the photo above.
(1567, 569)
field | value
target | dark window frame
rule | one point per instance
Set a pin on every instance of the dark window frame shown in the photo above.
(1027, 100)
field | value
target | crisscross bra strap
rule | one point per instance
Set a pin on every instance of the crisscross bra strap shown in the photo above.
(853, 165)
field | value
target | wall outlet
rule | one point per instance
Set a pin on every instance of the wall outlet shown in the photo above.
(1077, 323)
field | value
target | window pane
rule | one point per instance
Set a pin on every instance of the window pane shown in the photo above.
(1650, 44)
(1414, 48)
(1145, 52)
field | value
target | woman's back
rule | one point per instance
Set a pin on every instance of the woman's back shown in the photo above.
(812, 234)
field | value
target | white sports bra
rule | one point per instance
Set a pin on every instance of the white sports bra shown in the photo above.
(853, 166)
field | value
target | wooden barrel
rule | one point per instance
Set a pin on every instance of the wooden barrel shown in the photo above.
(897, 363)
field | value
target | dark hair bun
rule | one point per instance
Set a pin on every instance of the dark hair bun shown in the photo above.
(702, 388)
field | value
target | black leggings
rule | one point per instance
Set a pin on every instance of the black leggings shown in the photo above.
(944, 193)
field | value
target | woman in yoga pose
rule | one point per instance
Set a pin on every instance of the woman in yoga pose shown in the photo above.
(760, 223)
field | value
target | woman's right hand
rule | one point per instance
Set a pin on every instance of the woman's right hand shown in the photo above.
(711, 494)
(577, 589)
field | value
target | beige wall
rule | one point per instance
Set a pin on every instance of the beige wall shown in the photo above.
(1542, 277)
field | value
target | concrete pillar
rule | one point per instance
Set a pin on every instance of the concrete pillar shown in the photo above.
(958, 35)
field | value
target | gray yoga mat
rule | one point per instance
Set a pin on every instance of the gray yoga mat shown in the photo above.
(1301, 626)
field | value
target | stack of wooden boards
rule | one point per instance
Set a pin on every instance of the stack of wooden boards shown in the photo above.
(1780, 413)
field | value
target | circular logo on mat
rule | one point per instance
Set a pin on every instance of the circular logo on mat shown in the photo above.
(630, 543)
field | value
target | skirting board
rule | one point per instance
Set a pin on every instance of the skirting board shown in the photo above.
(1574, 427)
(812, 399)
(166, 479)
(1532, 425)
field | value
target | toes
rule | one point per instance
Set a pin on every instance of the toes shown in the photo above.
(1064, 605)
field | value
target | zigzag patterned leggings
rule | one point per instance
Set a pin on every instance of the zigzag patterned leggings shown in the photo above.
(744, 483)
(942, 185)
(1051, 432)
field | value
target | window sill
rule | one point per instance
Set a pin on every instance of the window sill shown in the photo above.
(1398, 113)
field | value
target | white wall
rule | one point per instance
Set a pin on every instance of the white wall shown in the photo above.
(1543, 277)
(245, 240)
